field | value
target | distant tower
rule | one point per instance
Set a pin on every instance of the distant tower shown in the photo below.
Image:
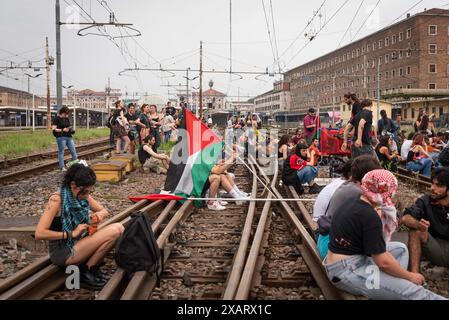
(211, 84)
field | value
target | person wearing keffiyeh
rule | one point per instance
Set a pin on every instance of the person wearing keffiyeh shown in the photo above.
(69, 223)
(379, 187)
(360, 260)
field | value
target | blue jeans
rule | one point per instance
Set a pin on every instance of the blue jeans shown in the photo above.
(307, 174)
(167, 135)
(359, 275)
(423, 166)
(62, 142)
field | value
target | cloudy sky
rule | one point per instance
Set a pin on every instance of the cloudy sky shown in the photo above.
(171, 34)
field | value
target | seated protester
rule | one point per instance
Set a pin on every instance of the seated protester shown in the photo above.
(428, 221)
(298, 170)
(437, 141)
(283, 149)
(69, 222)
(347, 192)
(418, 160)
(315, 151)
(406, 144)
(323, 199)
(388, 160)
(298, 136)
(357, 244)
(218, 176)
(146, 151)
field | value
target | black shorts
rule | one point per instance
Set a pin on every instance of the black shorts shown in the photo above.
(59, 252)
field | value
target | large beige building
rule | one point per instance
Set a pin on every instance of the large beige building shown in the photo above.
(90, 99)
(274, 101)
(411, 54)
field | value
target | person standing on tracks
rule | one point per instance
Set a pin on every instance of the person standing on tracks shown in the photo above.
(120, 127)
(155, 124)
(353, 103)
(132, 118)
(69, 223)
(428, 221)
(362, 124)
(310, 125)
(63, 130)
(361, 260)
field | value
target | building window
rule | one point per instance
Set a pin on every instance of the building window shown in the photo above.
(386, 75)
(393, 73)
(401, 72)
(380, 44)
(387, 42)
(393, 56)
(432, 86)
(380, 60)
(401, 36)
(387, 58)
(409, 86)
(413, 113)
(432, 48)
(374, 46)
(433, 30)
(409, 33)
(393, 39)
(400, 54)
(432, 68)
(441, 111)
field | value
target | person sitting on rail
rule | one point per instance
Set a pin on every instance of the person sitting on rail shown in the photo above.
(219, 177)
(298, 169)
(314, 151)
(406, 144)
(347, 192)
(388, 159)
(428, 221)
(146, 151)
(62, 130)
(69, 222)
(358, 248)
(324, 197)
(299, 135)
(418, 159)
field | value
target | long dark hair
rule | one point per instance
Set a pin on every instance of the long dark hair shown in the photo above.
(80, 174)
(424, 125)
(383, 142)
(284, 140)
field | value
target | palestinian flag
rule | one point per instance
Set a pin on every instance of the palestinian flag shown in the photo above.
(194, 155)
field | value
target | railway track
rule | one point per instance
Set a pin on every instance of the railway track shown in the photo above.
(7, 163)
(232, 254)
(413, 178)
(40, 168)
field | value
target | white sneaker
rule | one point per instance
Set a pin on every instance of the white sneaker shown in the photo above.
(242, 199)
(223, 203)
(244, 194)
(215, 206)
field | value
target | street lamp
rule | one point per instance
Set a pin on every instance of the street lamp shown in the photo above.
(35, 76)
(74, 103)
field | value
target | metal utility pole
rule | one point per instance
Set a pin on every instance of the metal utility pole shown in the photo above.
(378, 90)
(58, 56)
(30, 76)
(187, 86)
(333, 100)
(201, 79)
(28, 112)
(108, 93)
(47, 62)
(74, 109)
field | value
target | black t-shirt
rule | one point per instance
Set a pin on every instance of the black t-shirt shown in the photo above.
(61, 123)
(438, 216)
(368, 116)
(131, 117)
(356, 108)
(144, 119)
(356, 229)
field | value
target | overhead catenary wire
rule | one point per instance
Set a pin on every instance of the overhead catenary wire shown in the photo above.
(350, 24)
(322, 27)
(363, 24)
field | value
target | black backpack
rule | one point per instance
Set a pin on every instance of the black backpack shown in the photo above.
(137, 249)
(443, 158)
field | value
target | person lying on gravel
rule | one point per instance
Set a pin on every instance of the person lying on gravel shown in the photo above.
(146, 151)
(69, 223)
(360, 260)
(428, 221)
(346, 192)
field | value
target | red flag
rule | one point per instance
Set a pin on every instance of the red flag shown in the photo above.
(155, 197)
